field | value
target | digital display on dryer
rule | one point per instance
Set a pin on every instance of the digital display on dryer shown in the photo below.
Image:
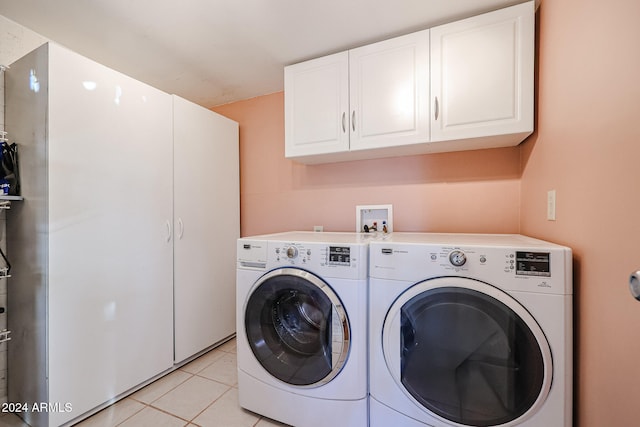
(533, 264)
(339, 255)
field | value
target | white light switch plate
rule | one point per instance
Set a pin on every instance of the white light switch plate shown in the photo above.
(551, 205)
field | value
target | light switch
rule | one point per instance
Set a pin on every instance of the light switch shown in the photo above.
(551, 205)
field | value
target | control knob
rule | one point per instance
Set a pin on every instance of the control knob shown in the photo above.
(292, 252)
(457, 258)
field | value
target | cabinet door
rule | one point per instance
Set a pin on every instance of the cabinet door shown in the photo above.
(110, 255)
(482, 75)
(389, 92)
(316, 104)
(207, 224)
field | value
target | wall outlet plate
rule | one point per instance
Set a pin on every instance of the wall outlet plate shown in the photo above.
(375, 217)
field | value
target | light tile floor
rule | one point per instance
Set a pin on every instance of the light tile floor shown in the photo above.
(202, 393)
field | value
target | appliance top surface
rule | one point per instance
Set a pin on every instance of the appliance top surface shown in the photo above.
(463, 239)
(315, 237)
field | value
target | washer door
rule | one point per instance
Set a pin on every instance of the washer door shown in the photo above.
(297, 327)
(467, 353)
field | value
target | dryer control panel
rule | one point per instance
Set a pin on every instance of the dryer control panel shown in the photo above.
(533, 263)
(538, 269)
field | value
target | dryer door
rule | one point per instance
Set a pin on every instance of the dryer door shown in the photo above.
(297, 327)
(467, 353)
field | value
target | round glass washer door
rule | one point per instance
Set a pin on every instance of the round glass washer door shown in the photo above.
(297, 327)
(467, 353)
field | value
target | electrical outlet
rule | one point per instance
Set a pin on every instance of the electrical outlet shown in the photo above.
(318, 228)
(551, 205)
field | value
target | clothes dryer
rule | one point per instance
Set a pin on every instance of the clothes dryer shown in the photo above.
(470, 330)
(302, 328)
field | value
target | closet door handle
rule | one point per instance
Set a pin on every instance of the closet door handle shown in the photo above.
(353, 120)
(180, 228)
(168, 224)
(344, 122)
(437, 107)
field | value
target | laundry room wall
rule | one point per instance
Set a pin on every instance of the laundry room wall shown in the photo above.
(587, 148)
(476, 191)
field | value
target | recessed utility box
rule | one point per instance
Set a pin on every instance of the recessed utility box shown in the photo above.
(374, 218)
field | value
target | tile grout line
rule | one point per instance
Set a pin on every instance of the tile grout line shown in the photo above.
(132, 415)
(210, 405)
(191, 375)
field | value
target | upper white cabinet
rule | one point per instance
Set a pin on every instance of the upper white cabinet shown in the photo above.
(317, 106)
(389, 88)
(482, 77)
(460, 86)
(371, 97)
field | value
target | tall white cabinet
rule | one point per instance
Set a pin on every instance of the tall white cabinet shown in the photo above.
(108, 251)
(206, 221)
(90, 300)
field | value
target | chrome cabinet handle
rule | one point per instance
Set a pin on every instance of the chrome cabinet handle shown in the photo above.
(344, 122)
(353, 120)
(437, 108)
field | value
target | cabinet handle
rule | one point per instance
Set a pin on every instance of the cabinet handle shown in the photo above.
(437, 108)
(353, 120)
(168, 224)
(180, 228)
(344, 122)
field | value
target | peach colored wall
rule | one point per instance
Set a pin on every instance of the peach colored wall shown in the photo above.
(587, 148)
(453, 192)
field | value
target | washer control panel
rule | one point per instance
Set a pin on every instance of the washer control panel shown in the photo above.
(338, 260)
(299, 253)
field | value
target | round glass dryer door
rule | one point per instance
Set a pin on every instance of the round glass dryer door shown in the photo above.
(297, 327)
(467, 353)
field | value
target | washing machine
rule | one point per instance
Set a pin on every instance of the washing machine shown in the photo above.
(470, 330)
(302, 328)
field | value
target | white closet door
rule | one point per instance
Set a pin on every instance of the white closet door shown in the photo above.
(110, 252)
(207, 223)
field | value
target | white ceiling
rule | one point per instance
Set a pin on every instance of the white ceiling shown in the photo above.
(217, 51)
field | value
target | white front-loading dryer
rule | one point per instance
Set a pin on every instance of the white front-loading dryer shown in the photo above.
(302, 328)
(470, 330)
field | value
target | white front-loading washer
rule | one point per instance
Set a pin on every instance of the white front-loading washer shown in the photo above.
(470, 330)
(302, 327)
